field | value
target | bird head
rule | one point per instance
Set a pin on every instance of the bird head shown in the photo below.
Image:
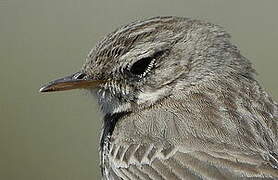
(144, 62)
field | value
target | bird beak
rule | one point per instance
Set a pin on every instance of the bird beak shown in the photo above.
(73, 81)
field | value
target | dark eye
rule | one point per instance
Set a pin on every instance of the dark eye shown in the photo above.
(141, 66)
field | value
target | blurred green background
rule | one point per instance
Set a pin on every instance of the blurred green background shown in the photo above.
(55, 136)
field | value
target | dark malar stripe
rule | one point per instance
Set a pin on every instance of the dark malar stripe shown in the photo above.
(109, 124)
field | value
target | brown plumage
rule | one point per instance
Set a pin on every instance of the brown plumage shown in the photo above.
(180, 102)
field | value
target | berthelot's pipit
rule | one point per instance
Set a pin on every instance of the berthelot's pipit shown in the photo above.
(179, 102)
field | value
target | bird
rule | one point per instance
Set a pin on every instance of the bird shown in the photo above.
(179, 101)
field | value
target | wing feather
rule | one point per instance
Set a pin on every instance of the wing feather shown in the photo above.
(187, 165)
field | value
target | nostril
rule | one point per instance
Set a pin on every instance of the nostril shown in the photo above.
(79, 75)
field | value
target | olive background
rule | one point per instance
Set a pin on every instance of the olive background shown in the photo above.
(55, 136)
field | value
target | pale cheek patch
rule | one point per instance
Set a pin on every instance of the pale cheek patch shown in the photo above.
(150, 97)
